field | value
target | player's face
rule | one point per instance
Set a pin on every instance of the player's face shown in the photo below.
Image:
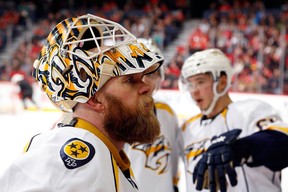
(130, 116)
(153, 80)
(201, 90)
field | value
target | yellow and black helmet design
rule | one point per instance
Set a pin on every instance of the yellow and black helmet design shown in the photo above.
(81, 54)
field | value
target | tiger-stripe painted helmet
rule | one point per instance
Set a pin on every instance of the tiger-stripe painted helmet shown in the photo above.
(81, 54)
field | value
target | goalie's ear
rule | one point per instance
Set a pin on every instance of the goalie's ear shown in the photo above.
(96, 102)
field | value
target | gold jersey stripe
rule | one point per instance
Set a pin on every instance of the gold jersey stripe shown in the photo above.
(165, 107)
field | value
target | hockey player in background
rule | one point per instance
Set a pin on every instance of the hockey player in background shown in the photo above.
(155, 165)
(245, 141)
(25, 90)
(93, 68)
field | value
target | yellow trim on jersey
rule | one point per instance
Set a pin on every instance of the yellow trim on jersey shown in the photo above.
(120, 157)
(116, 172)
(176, 179)
(277, 128)
(224, 113)
(154, 149)
(194, 153)
(190, 120)
(165, 107)
(26, 147)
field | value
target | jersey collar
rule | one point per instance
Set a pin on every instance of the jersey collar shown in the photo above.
(120, 157)
(205, 120)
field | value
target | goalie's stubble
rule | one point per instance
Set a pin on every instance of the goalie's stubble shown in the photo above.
(131, 123)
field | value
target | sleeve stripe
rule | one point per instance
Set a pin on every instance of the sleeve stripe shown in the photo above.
(278, 128)
(190, 120)
(164, 107)
(194, 153)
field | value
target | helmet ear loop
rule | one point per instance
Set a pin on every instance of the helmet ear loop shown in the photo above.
(217, 95)
(182, 85)
(214, 100)
(217, 83)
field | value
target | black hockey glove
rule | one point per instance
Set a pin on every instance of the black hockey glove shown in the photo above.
(175, 188)
(217, 161)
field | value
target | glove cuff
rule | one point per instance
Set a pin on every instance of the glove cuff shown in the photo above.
(241, 152)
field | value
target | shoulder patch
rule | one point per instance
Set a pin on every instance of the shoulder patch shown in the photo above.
(76, 152)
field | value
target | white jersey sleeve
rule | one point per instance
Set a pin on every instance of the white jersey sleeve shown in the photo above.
(254, 115)
(66, 159)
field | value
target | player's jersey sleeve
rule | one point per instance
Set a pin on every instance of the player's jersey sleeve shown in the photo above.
(253, 116)
(66, 159)
(265, 133)
(168, 119)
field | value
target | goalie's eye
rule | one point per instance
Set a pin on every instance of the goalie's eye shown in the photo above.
(130, 79)
(133, 79)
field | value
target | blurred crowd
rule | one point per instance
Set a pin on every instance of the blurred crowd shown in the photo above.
(253, 36)
(150, 19)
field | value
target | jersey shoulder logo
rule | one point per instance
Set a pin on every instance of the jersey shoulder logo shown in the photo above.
(158, 154)
(193, 150)
(76, 152)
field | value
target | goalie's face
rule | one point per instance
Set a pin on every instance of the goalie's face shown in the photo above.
(201, 89)
(129, 114)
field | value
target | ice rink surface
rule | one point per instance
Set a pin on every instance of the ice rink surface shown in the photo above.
(16, 130)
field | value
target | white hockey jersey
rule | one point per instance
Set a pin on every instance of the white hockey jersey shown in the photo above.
(250, 116)
(70, 159)
(155, 165)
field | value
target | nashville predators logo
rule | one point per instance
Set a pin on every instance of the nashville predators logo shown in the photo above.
(158, 154)
(193, 151)
(76, 152)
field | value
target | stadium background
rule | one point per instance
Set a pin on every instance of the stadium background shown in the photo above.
(252, 33)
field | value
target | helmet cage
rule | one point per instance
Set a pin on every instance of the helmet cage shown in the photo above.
(81, 54)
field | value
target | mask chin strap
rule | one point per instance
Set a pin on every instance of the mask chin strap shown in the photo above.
(215, 98)
(106, 73)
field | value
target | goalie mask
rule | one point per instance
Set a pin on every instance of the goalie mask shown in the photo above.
(81, 54)
(211, 61)
(150, 44)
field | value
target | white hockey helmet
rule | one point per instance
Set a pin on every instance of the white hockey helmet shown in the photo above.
(17, 78)
(81, 54)
(212, 61)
